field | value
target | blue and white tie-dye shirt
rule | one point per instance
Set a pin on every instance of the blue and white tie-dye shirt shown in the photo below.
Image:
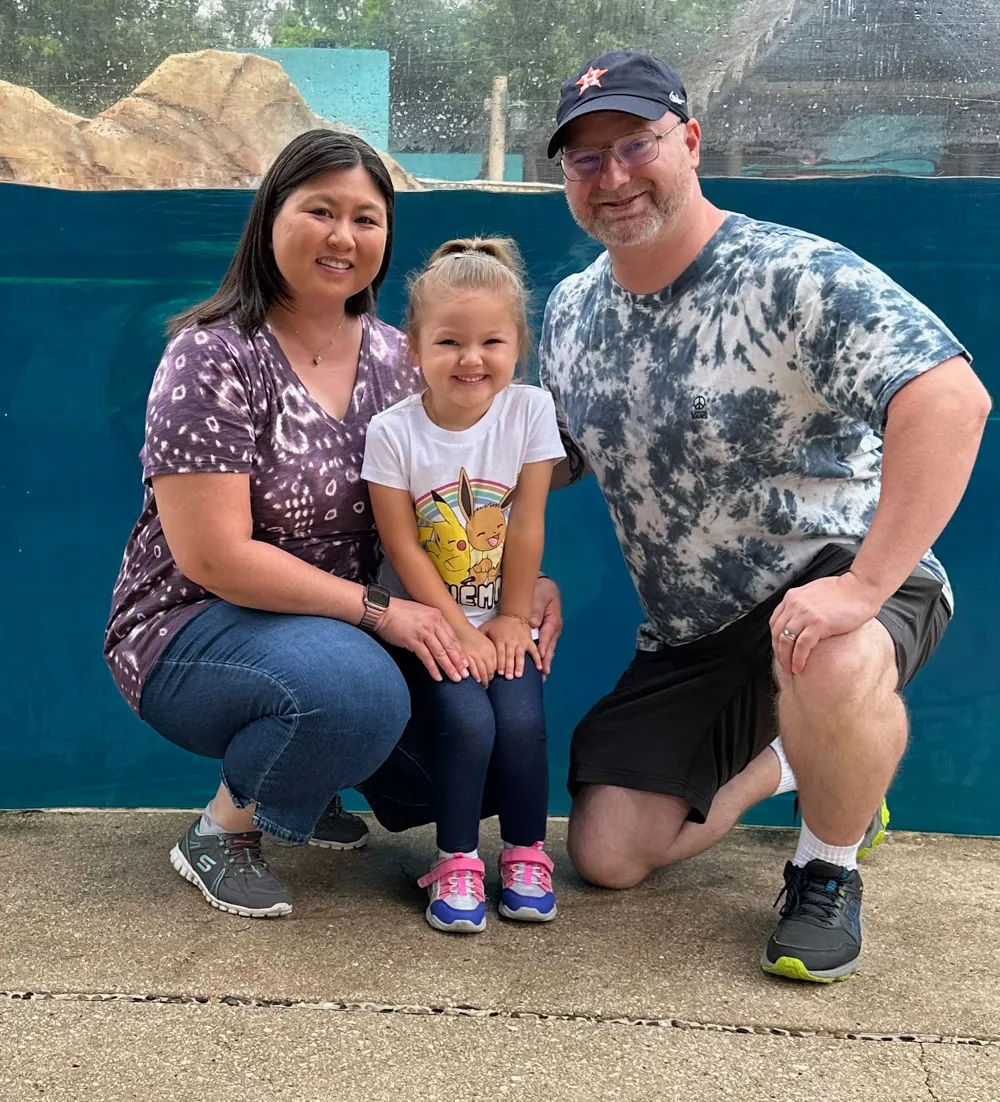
(734, 418)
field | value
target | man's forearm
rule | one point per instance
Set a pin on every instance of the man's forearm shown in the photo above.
(932, 436)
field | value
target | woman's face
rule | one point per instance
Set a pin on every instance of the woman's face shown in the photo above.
(329, 237)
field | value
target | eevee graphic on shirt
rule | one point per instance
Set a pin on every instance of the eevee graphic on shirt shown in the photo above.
(486, 528)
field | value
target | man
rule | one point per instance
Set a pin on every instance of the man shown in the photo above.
(781, 432)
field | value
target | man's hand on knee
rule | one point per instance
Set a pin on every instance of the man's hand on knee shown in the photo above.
(816, 611)
(844, 673)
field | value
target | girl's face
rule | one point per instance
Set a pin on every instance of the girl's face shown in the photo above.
(329, 237)
(467, 348)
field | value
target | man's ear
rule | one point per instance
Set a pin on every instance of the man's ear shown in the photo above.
(692, 139)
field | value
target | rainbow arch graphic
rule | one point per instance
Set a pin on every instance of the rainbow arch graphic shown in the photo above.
(484, 492)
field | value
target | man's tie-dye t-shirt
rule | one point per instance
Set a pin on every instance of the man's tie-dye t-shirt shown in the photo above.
(734, 419)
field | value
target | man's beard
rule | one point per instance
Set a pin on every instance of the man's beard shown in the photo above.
(637, 229)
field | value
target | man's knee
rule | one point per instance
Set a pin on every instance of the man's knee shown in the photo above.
(602, 864)
(608, 832)
(859, 666)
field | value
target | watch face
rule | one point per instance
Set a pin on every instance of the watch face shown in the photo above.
(378, 595)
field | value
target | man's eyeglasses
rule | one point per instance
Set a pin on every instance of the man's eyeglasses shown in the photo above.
(631, 150)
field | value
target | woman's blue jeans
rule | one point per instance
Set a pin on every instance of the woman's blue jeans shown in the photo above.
(298, 708)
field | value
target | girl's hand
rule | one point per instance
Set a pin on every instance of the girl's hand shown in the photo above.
(424, 630)
(480, 654)
(512, 640)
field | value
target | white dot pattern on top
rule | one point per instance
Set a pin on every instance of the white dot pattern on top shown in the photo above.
(224, 402)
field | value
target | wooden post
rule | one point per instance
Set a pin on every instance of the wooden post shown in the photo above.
(498, 129)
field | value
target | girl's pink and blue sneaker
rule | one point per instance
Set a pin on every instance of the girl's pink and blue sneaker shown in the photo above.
(526, 879)
(457, 898)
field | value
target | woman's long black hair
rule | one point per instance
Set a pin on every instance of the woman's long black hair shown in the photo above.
(253, 284)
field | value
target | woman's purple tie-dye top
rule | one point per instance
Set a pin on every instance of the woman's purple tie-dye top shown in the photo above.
(223, 402)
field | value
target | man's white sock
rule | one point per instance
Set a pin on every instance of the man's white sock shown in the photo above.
(810, 848)
(787, 782)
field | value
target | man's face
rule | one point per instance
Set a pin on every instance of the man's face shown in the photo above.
(630, 206)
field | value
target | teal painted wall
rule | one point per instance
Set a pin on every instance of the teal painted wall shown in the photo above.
(457, 166)
(349, 86)
(86, 283)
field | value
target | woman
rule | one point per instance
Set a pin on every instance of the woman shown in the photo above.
(242, 625)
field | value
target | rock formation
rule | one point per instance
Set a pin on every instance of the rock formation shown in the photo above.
(210, 119)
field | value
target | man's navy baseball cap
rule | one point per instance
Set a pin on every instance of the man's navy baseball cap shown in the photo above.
(624, 80)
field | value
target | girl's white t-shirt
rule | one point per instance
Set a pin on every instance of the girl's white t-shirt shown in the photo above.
(462, 485)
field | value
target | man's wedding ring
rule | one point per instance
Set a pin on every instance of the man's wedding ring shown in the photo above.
(788, 634)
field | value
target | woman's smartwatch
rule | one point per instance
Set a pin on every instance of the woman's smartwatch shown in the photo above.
(376, 599)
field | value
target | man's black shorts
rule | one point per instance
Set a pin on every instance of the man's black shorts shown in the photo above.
(684, 720)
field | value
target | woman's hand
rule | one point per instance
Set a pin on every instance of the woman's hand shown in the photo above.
(481, 654)
(512, 640)
(546, 615)
(424, 631)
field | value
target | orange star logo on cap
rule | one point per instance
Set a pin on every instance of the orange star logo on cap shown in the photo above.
(591, 79)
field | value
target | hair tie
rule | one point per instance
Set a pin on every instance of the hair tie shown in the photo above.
(464, 252)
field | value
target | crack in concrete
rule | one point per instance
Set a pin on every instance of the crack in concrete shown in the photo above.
(467, 1011)
(922, 1057)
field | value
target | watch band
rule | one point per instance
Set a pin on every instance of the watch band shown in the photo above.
(373, 612)
(371, 618)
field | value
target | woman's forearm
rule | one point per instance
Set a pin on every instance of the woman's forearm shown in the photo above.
(255, 574)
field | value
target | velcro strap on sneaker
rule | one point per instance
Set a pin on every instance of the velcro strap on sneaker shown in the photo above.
(453, 864)
(525, 855)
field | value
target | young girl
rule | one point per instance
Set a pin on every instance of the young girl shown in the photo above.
(459, 477)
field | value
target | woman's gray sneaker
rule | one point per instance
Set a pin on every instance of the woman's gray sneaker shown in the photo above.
(231, 872)
(339, 829)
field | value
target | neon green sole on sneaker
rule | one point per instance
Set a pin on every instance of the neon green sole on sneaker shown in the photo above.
(876, 832)
(793, 969)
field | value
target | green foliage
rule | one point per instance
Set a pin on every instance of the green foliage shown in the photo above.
(85, 54)
(445, 53)
(291, 31)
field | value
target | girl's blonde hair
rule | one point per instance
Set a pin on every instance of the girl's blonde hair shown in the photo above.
(472, 264)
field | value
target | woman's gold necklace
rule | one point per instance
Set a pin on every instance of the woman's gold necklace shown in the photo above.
(318, 355)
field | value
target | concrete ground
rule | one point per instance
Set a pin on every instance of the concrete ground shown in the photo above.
(118, 982)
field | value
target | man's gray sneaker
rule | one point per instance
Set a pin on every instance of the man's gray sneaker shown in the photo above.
(876, 832)
(231, 872)
(339, 829)
(819, 935)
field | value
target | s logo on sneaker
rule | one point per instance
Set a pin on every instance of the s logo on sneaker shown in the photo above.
(206, 863)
